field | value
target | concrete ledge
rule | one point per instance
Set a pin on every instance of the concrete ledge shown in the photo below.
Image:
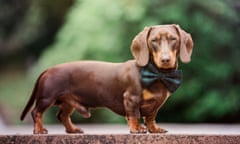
(120, 139)
(110, 134)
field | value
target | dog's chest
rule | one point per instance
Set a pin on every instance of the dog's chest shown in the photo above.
(153, 98)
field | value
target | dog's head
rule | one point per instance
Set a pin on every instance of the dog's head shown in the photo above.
(162, 44)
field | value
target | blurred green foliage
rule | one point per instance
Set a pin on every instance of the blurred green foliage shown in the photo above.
(104, 29)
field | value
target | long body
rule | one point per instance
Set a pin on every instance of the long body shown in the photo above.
(82, 85)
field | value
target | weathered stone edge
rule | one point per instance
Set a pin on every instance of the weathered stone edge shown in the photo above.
(120, 138)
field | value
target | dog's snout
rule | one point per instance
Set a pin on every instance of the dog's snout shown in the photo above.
(165, 59)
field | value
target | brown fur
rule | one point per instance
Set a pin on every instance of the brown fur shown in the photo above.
(82, 85)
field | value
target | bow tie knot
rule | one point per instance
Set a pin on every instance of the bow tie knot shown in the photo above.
(171, 79)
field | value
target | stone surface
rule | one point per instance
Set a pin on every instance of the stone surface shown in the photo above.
(120, 138)
(109, 134)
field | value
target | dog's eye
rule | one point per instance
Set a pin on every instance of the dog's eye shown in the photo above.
(173, 38)
(154, 40)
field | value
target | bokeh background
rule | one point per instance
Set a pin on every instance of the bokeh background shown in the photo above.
(37, 34)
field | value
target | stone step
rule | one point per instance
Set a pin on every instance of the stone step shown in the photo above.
(115, 133)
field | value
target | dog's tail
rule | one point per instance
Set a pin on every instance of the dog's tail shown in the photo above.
(32, 98)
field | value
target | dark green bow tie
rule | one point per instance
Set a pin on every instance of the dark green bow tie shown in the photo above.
(171, 79)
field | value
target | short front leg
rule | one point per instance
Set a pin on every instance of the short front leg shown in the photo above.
(131, 104)
(135, 126)
(151, 125)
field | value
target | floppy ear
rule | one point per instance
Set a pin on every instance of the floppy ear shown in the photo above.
(139, 47)
(186, 45)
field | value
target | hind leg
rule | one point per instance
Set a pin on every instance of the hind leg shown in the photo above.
(37, 118)
(64, 116)
(81, 109)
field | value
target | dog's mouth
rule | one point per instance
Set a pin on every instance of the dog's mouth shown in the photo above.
(165, 66)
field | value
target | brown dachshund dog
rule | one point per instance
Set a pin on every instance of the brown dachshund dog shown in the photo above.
(82, 85)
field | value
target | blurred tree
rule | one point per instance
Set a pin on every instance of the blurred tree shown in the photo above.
(104, 29)
(26, 27)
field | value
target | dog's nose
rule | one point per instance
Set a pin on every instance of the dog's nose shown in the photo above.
(165, 59)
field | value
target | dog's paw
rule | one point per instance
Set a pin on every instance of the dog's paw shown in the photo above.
(74, 130)
(40, 131)
(86, 114)
(157, 130)
(138, 130)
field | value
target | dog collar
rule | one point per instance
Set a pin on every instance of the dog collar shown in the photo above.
(171, 78)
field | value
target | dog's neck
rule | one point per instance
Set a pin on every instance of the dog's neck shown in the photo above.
(171, 78)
